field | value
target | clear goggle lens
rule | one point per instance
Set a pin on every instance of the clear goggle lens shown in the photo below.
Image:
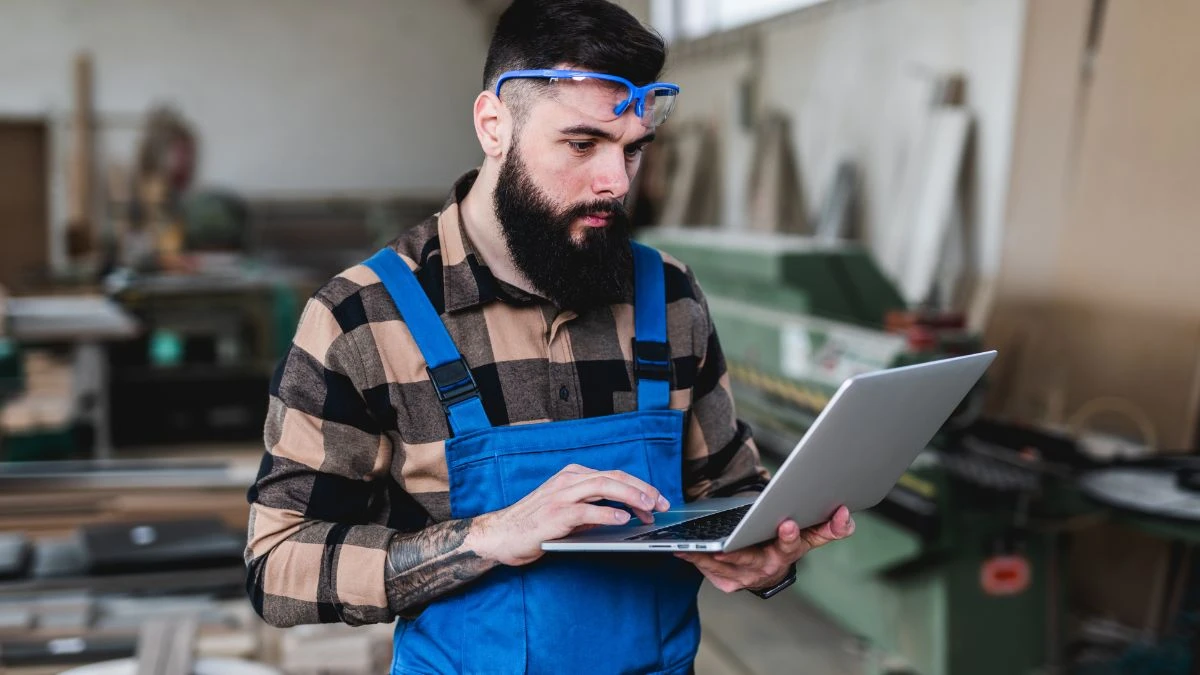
(605, 101)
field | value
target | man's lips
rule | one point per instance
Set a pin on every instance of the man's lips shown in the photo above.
(599, 219)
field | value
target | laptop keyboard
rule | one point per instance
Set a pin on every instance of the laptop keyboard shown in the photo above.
(708, 528)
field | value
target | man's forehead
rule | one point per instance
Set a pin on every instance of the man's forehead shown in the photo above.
(557, 116)
(568, 103)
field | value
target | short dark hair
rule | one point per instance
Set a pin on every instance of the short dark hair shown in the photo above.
(595, 35)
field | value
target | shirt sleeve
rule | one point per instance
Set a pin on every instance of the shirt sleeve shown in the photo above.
(313, 555)
(720, 457)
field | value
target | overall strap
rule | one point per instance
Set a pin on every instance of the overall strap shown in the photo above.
(651, 354)
(447, 369)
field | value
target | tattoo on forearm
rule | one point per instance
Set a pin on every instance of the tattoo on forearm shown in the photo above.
(427, 564)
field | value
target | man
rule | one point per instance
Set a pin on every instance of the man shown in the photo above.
(506, 373)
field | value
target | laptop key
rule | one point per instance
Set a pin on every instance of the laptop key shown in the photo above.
(708, 528)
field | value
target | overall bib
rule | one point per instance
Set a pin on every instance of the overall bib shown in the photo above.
(566, 613)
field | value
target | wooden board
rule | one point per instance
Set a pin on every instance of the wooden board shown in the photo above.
(775, 200)
(935, 184)
(79, 222)
(166, 647)
(24, 199)
(58, 513)
(691, 195)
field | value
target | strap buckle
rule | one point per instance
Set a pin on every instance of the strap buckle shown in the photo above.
(453, 382)
(651, 360)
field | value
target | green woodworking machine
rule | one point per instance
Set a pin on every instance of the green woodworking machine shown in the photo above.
(942, 577)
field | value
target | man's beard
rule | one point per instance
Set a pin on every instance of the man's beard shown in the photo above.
(593, 272)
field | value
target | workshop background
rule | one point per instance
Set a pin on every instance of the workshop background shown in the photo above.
(858, 184)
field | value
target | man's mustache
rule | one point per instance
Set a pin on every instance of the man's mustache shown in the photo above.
(611, 207)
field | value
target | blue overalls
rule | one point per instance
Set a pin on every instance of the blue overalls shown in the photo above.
(565, 613)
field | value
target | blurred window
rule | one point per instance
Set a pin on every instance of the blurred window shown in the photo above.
(689, 19)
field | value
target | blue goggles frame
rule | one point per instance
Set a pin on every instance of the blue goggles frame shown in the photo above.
(637, 95)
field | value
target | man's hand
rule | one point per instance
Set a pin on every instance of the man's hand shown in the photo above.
(765, 565)
(559, 507)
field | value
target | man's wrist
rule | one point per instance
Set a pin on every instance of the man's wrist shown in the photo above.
(788, 579)
(422, 566)
(480, 540)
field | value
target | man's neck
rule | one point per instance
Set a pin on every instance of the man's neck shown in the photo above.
(483, 229)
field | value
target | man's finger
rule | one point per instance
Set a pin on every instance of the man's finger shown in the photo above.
(644, 516)
(788, 541)
(752, 556)
(586, 514)
(843, 523)
(724, 585)
(600, 486)
(840, 526)
(576, 468)
(788, 531)
(703, 561)
(578, 474)
(708, 565)
(660, 502)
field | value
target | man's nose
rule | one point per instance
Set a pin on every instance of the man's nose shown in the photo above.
(612, 177)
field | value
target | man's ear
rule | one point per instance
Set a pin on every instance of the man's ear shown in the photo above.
(493, 124)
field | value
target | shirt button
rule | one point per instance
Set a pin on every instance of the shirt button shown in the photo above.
(563, 393)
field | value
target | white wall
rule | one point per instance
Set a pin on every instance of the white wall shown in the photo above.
(285, 95)
(640, 9)
(854, 76)
(696, 19)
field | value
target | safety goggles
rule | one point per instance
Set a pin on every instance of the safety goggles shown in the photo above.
(602, 96)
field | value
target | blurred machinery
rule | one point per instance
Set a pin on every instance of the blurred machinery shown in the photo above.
(201, 369)
(797, 317)
(945, 576)
(207, 285)
(54, 375)
(218, 281)
(220, 312)
(215, 321)
(10, 369)
(10, 365)
(93, 553)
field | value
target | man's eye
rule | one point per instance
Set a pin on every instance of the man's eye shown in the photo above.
(581, 146)
(634, 150)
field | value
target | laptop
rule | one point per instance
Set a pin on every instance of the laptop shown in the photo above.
(853, 455)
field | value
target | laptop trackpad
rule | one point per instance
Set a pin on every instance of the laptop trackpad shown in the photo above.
(685, 512)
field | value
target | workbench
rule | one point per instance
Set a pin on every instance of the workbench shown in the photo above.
(87, 324)
(200, 372)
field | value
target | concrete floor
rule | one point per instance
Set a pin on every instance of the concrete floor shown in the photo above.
(743, 635)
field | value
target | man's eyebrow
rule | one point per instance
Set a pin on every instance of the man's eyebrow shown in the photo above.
(586, 130)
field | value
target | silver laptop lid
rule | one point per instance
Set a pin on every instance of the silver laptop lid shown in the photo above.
(861, 443)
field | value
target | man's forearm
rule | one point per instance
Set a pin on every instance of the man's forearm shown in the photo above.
(428, 564)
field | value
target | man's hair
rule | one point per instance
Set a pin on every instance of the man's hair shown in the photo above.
(595, 35)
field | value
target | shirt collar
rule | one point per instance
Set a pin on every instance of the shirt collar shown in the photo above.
(466, 279)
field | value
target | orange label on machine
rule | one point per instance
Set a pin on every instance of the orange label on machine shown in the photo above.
(1005, 575)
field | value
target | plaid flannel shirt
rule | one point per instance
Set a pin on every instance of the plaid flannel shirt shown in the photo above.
(355, 435)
